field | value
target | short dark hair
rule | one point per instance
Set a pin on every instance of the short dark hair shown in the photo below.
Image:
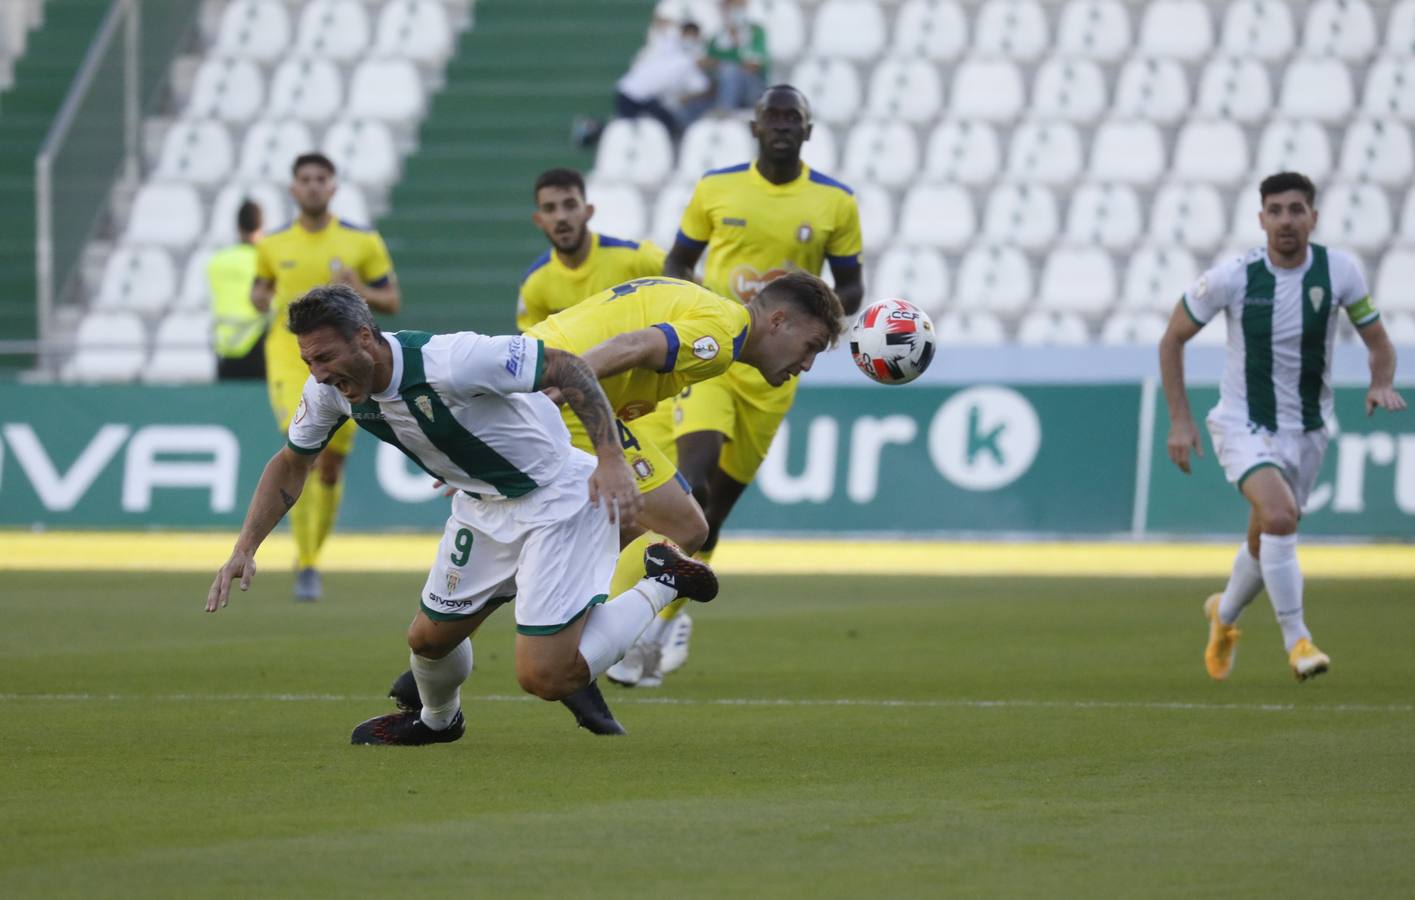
(1288, 181)
(336, 306)
(811, 296)
(559, 177)
(313, 159)
(248, 217)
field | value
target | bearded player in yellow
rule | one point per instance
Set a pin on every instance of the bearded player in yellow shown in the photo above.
(315, 249)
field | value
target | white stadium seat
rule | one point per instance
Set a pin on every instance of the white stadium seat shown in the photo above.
(139, 279)
(1235, 89)
(1395, 279)
(1094, 29)
(271, 198)
(333, 29)
(937, 215)
(1294, 146)
(876, 215)
(994, 278)
(1048, 152)
(1046, 328)
(1154, 90)
(821, 152)
(634, 150)
(1259, 29)
(363, 151)
(1129, 152)
(1156, 276)
(1215, 152)
(165, 215)
(1177, 29)
(181, 352)
(414, 29)
(1104, 214)
(916, 274)
(195, 292)
(386, 89)
(1132, 328)
(109, 346)
(618, 208)
(231, 90)
(1345, 29)
(1356, 216)
(1316, 89)
(975, 329)
(1376, 150)
(848, 29)
(833, 88)
(907, 90)
(1188, 215)
(1245, 232)
(930, 29)
(1070, 89)
(1017, 30)
(989, 89)
(1407, 217)
(885, 153)
(712, 144)
(270, 148)
(668, 209)
(1021, 214)
(350, 204)
(1390, 88)
(310, 90)
(963, 151)
(1400, 29)
(785, 28)
(254, 29)
(196, 151)
(1077, 279)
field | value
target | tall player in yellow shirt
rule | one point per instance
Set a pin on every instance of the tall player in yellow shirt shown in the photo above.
(317, 248)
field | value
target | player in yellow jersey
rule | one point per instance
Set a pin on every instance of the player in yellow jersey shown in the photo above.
(580, 262)
(315, 249)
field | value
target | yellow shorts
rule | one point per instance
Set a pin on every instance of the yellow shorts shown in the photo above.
(650, 464)
(286, 384)
(743, 407)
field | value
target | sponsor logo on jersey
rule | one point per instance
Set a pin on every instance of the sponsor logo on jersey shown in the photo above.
(630, 411)
(734, 222)
(424, 405)
(746, 282)
(515, 350)
(367, 416)
(705, 347)
(804, 233)
(1316, 295)
(288, 264)
(453, 579)
(642, 467)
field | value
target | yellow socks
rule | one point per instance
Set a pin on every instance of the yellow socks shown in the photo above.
(312, 518)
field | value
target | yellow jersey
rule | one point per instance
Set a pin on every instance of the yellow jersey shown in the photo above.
(297, 260)
(705, 334)
(755, 230)
(549, 286)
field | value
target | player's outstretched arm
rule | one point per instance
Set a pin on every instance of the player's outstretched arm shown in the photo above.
(849, 286)
(1382, 394)
(681, 261)
(279, 488)
(646, 348)
(1183, 436)
(612, 484)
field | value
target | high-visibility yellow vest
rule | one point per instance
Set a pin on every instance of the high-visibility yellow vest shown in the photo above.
(238, 324)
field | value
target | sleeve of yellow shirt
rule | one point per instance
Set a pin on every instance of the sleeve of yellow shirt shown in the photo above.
(696, 225)
(845, 242)
(649, 260)
(264, 268)
(376, 265)
(703, 343)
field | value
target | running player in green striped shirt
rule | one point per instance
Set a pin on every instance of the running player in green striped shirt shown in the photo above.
(1269, 428)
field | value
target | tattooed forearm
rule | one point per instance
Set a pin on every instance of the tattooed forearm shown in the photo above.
(287, 499)
(577, 385)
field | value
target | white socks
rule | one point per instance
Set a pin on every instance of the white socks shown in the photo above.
(1244, 583)
(611, 628)
(1283, 579)
(440, 684)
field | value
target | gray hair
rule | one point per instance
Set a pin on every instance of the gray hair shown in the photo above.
(336, 306)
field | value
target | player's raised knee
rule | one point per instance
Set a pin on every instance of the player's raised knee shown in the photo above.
(545, 682)
(1280, 519)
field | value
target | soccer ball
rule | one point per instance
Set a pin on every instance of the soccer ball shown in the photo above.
(892, 341)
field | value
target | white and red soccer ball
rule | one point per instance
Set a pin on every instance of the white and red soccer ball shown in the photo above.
(892, 341)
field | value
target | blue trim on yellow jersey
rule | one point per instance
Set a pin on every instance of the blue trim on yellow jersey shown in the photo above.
(382, 282)
(285, 227)
(354, 227)
(822, 178)
(849, 262)
(670, 361)
(682, 482)
(607, 241)
(689, 242)
(738, 341)
(541, 260)
(728, 170)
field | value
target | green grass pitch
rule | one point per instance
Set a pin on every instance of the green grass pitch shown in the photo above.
(905, 737)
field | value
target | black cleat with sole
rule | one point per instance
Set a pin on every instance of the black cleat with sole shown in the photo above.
(406, 729)
(666, 564)
(591, 712)
(404, 693)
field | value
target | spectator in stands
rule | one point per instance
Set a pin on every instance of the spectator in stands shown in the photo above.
(737, 58)
(239, 328)
(664, 79)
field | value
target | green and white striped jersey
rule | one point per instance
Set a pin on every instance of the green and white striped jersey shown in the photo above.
(465, 407)
(1281, 327)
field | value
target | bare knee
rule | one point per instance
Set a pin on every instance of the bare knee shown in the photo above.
(543, 681)
(1278, 520)
(695, 535)
(429, 644)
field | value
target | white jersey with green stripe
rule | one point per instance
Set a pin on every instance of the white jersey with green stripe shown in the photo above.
(465, 407)
(1281, 329)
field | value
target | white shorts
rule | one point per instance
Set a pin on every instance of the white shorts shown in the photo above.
(550, 550)
(1242, 448)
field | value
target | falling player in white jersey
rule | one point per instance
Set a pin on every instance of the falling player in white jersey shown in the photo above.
(532, 519)
(1269, 428)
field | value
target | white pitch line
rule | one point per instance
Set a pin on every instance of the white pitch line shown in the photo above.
(1170, 706)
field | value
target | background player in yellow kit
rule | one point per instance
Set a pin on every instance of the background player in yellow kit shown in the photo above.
(315, 249)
